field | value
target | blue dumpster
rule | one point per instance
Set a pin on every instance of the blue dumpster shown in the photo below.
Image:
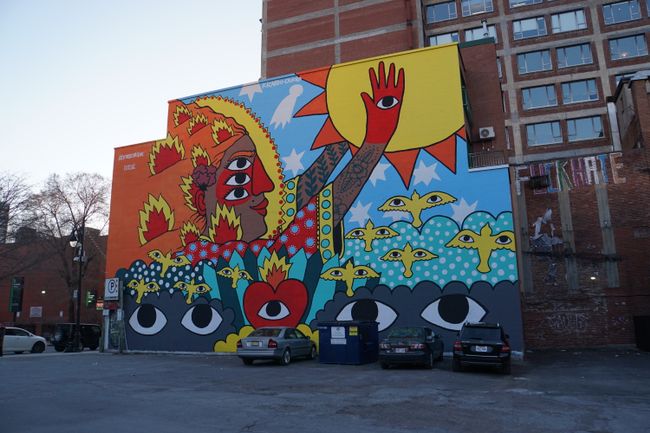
(348, 342)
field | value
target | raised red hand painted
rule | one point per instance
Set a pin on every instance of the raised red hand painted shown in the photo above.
(283, 306)
(383, 107)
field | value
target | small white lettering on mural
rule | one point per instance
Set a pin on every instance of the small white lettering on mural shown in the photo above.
(130, 156)
(129, 167)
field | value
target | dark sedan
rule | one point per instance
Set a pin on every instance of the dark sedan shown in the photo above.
(281, 344)
(411, 345)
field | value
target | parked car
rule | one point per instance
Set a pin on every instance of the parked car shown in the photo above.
(482, 344)
(281, 344)
(19, 340)
(64, 333)
(413, 345)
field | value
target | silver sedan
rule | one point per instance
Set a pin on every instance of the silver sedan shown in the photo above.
(280, 343)
(19, 340)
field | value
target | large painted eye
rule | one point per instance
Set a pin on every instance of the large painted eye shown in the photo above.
(147, 320)
(273, 310)
(237, 194)
(503, 240)
(397, 202)
(466, 238)
(239, 164)
(238, 179)
(451, 311)
(369, 309)
(387, 102)
(201, 319)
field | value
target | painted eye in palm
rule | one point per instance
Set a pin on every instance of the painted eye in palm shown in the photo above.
(239, 164)
(371, 310)
(451, 311)
(201, 319)
(387, 102)
(237, 194)
(503, 240)
(273, 310)
(238, 179)
(147, 320)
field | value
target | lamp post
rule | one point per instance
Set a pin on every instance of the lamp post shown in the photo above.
(76, 241)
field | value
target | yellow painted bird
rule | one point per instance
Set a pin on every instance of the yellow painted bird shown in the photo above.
(192, 289)
(416, 204)
(235, 274)
(348, 274)
(485, 242)
(141, 288)
(166, 260)
(369, 233)
(408, 256)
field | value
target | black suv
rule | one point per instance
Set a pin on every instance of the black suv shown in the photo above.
(63, 334)
(482, 344)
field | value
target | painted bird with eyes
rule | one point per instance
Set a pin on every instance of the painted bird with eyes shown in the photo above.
(485, 242)
(370, 233)
(142, 288)
(415, 204)
(408, 256)
(192, 289)
(235, 275)
(166, 260)
(348, 274)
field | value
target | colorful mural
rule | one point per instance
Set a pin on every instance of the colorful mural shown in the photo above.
(335, 194)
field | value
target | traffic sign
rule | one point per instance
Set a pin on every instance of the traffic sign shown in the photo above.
(112, 289)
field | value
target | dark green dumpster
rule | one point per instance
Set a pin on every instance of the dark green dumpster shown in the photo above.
(348, 342)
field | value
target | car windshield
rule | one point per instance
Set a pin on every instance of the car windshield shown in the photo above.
(406, 333)
(481, 333)
(269, 332)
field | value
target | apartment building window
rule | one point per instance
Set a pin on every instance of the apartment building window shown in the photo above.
(621, 12)
(473, 7)
(517, 3)
(586, 128)
(534, 61)
(579, 91)
(627, 47)
(568, 21)
(443, 38)
(539, 97)
(574, 55)
(539, 134)
(441, 12)
(529, 28)
(479, 33)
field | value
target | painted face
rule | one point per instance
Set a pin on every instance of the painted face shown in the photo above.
(241, 183)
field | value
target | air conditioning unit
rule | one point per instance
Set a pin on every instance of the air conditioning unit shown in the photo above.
(486, 133)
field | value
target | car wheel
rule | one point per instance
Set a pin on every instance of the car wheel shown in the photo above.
(313, 353)
(429, 362)
(455, 365)
(384, 365)
(247, 361)
(505, 367)
(286, 357)
(38, 347)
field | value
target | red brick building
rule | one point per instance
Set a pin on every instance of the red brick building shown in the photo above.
(543, 97)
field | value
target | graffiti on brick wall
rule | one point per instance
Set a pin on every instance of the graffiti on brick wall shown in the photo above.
(568, 174)
(545, 240)
(341, 193)
(568, 322)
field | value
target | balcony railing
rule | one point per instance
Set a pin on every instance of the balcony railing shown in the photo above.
(487, 159)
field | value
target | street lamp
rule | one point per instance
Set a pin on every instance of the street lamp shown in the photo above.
(76, 241)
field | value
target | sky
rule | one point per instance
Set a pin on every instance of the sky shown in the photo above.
(79, 78)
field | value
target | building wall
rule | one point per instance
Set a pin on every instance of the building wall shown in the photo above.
(365, 208)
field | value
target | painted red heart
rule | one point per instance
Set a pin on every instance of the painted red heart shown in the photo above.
(284, 306)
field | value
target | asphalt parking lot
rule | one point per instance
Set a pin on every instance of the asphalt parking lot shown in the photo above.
(594, 391)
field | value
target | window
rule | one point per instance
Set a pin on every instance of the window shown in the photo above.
(586, 128)
(529, 28)
(517, 3)
(539, 97)
(478, 33)
(538, 134)
(473, 7)
(534, 61)
(619, 77)
(441, 12)
(621, 12)
(444, 38)
(574, 55)
(579, 91)
(568, 21)
(627, 47)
